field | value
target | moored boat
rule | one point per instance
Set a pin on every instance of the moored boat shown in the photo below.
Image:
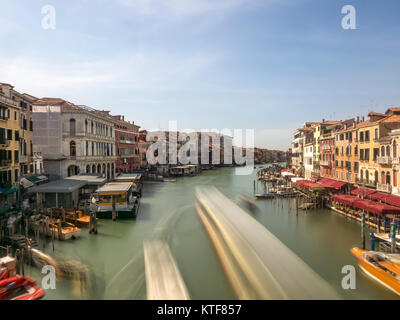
(68, 230)
(20, 288)
(77, 217)
(265, 195)
(382, 267)
(119, 195)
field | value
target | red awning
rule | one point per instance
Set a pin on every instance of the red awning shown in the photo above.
(377, 196)
(362, 192)
(345, 199)
(330, 183)
(386, 198)
(383, 209)
(308, 184)
(362, 204)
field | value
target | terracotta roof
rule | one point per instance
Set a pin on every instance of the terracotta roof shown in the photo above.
(5, 84)
(392, 118)
(377, 114)
(392, 109)
(331, 122)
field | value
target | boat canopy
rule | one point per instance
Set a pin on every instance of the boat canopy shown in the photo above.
(113, 187)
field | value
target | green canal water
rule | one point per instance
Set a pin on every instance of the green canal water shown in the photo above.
(321, 238)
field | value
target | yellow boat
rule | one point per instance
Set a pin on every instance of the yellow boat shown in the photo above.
(77, 217)
(382, 267)
(68, 231)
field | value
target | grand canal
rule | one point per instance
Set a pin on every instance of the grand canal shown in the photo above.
(320, 237)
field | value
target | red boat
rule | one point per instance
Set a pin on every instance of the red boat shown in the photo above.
(20, 288)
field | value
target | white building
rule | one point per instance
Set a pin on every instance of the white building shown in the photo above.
(308, 160)
(73, 139)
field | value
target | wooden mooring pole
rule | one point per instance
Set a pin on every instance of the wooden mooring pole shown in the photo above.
(363, 230)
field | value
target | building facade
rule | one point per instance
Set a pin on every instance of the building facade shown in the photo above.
(74, 139)
(16, 139)
(127, 145)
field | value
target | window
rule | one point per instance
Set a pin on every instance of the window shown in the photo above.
(9, 134)
(16, 135)
(361, 136)
(356, 150)
(72, 148)
(376, 153)
(72, 128)
(367, 136)
(376, 134)
(366, 154)
(394, 149)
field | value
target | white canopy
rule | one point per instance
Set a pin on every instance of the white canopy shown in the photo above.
(287, 174)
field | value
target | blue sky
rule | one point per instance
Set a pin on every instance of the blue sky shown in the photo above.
(269, 65)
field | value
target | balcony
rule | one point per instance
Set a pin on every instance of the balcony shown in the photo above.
(5, 163)
(8, 101)
(325, 163)
(384, 187)
(23, 158)
(396, 160)
(364, 182)
(4, 143)
(384, 160)
(326, 147)
(127, 141)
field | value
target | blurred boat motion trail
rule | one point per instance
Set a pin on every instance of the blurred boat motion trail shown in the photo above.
(257, 264)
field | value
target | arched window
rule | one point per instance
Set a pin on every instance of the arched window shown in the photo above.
(388, 151)
(394, 149)
(99, 168)
(367, 175)
(72, 149)
(382, 151)
(72, 127)
(383, 177)
(86, 126)
(87, 169)
(388, 177)
(376, 176)
(94, 168)
(362, 175)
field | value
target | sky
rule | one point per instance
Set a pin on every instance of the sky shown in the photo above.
(267, 65)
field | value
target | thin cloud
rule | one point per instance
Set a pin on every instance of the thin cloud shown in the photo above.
(181, 7)
(137, 71)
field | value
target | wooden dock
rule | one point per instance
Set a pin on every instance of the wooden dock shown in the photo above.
(163, 279)
(257, 264)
